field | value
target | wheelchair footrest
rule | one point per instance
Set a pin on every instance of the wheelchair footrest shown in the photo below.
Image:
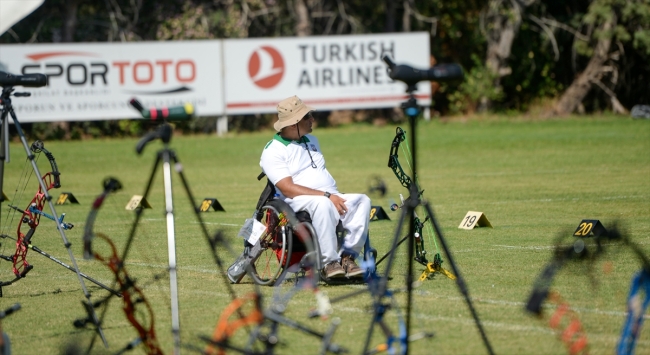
(237, 270)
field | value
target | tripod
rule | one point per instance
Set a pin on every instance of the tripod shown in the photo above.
(7, 110)
(412, 110)
(165, 157)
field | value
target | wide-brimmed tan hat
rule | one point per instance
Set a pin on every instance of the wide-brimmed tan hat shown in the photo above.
(290, 111)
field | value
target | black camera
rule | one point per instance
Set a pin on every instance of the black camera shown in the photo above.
(28, 80)
(411, 76)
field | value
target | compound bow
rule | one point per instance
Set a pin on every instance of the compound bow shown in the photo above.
(136, 308)
(412, 183)
(32, 215)
(589, 250)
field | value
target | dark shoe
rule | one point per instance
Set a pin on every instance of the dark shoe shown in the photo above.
(351, 268)
(333, 270)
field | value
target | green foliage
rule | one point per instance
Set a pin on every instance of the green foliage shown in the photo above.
(455, 37)
(477, 85)
(631, 19)
(192, 23)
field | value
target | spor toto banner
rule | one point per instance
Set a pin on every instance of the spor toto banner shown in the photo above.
(95, 81)
(327, 72)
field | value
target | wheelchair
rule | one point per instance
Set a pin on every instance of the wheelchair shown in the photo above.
(288, 242)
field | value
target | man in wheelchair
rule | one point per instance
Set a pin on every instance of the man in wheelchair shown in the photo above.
(294, 164)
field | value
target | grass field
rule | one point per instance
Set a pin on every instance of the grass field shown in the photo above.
(532, 179)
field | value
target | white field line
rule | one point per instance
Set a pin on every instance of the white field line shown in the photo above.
(515, 303)
(527, 247)
(498, 325)
(219, 224)
(514, 327)
(566, 199)
(421, 292)
(522, 304)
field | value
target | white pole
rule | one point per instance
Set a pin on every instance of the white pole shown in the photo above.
(222, 125)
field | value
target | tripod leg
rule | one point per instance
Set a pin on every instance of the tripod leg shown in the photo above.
(4, 151)
(382, 284)
(171, 248)
(38, 250)
(138, 211)
(459, 278)
(392, 249)
(66, 243)
(211, 242)
(199, 218)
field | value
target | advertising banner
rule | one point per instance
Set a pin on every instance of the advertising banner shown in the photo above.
(95, 81)
(327, 72)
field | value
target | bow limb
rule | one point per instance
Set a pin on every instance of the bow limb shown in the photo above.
(136, 308)
(393, 159)
(55, 179)
(110, 185)
(20, 264)
(226, 328)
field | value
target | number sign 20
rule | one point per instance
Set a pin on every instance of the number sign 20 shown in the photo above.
(589, 228)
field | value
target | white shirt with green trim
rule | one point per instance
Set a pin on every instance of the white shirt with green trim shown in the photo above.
(282, 158)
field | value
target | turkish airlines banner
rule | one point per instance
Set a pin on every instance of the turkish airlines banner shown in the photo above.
(328, 72)
(95, 81)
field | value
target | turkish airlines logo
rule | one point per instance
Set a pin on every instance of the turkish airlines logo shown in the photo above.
(266, 67)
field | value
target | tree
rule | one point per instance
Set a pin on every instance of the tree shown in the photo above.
(500, 23)
(613, 29)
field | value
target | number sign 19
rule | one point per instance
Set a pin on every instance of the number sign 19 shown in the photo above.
(137, 201)
(474, 219)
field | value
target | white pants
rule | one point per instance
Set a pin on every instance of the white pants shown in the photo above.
(325, 217)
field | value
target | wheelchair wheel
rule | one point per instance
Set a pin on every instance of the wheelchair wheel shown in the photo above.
(275, 243)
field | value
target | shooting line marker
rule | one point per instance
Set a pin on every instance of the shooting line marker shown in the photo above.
(589, 228)
(474, 219)
(377, 213)
(210, 202)
(137, 201)
(66, 197)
